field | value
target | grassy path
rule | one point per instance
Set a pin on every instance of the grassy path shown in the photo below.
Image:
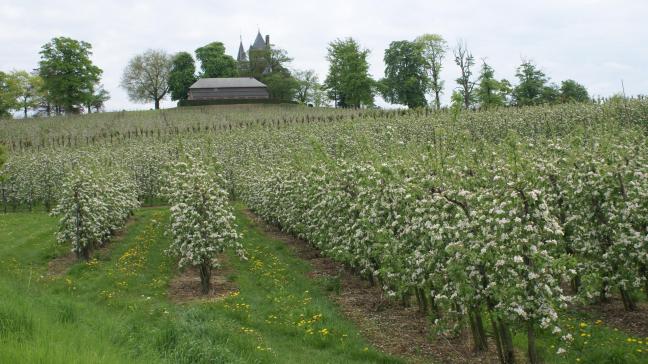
(115, 308)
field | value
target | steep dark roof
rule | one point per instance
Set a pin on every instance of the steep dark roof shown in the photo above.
(259, 43)
(241, 53)
(227, 82)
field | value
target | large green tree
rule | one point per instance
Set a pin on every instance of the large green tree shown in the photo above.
(97, 99)
(182, 75)
(146, 78)
(30, 85)
(465, 61)
(214, 62)
(348, 81)
(308, 84)
(406, 80)
(68, 73)
(434, 50)
(572, 91)
(550, 94)
(281, 86)
(532, 88)
(491, 92)
(267, 60)
(270, 66)
(9, 93)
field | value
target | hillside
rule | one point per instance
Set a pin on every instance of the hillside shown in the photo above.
(513, 233)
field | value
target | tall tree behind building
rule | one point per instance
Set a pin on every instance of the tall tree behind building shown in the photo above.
(214, 62)
(269, 65)
(182, 75)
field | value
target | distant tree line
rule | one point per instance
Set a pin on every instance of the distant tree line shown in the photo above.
(153, 75)
(66, 81)
(413, 71)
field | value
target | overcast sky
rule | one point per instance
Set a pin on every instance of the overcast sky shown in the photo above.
(596, 42)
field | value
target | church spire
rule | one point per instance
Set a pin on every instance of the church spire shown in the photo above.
(259, 43)
(241, 52)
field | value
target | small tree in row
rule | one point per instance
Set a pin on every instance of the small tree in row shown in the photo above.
(202, 222)
(92, 207)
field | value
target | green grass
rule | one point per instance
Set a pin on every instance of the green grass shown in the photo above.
(115, 309)
(593, 342)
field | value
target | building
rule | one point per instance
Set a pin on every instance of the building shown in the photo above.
(237, 88)
(259, 44)
(255, 60)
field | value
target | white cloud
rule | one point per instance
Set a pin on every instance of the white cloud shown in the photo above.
(596, 42)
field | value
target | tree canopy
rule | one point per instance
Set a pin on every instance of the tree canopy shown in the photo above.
(270, 66)
(572, 91)
(531, 87)
(406, 80)
(9, 92)
(491, 92)
(146, 78)
(182, 75)
(308, 85)
(214, 62)
(68, 74)
(434, 48)
(465, 61)
(348, 81)
(97, 99)
(29, 88)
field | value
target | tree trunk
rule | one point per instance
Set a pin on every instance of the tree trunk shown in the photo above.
(437, 100)
(477, 330)
(531, 346)
(498, 339)
(603, 293)
(84, 253)
(25, 111)
(421, 294)
(507, 342)
(157, 104)
(576, 283)
(628, 303)
(205, 277)
(644, 271)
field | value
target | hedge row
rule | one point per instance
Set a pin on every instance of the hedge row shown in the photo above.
(232, 102)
